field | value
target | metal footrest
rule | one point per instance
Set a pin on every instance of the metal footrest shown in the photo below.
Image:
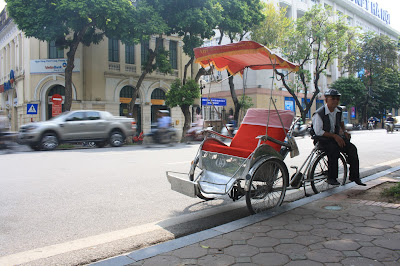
(180, 183)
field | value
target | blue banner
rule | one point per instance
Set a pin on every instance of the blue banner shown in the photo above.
(215, 101)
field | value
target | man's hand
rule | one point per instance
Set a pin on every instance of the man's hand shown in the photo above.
(347, 135)
(339, 140)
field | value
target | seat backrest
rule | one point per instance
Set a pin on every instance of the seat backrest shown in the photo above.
(255, 124)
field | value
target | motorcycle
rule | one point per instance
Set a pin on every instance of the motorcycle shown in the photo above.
(389, 127)
(300, 130)
(228, 130)
(160, 136)
(195, 133)
(371, 125)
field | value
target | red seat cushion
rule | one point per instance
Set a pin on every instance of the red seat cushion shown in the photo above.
(245, 142)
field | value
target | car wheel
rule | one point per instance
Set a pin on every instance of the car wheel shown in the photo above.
(49, 141)
(116, 139)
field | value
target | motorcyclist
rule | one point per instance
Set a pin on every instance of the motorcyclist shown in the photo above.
(372, 121)
(164, 122)
(390, 121)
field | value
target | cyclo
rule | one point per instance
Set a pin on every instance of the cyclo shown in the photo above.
(253, 164)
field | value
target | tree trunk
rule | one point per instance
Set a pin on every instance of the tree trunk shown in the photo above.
(68, 74)
(145, 71)
(234, 97)
(186, 125)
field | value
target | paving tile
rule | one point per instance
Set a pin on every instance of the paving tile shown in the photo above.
(393, 244)
(307, 240)
(369, 231)
(162, 260)
(281, 234)
(379, 223)
(271, 258)
(216, 259)
(263, 242)
(379, 254)
(342, 245)
(190, 252)
(241, 251)
(388, 217)
(325, 255)
(217, 243)
(291, 249)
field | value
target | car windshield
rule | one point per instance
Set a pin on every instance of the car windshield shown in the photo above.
(60, 116)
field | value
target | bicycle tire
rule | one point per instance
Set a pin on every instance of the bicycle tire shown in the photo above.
(267, 186)
(318, 173)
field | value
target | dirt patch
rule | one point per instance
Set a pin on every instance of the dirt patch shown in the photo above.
(374, 193)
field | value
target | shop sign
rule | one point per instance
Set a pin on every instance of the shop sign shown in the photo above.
(48, 66)
(128, 100)
(214, 101)
(8, 85)
(157, 102)
(374, 9)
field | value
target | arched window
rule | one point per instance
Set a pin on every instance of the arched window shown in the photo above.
(125, 97)
(158, 94)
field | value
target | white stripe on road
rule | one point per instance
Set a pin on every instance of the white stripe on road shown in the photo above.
(45, 252)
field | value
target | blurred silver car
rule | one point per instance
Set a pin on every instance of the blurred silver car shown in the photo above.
(100, 127)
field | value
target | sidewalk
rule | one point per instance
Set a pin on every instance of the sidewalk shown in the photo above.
(326, 229)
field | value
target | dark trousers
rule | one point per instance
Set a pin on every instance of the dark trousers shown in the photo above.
(332, 150)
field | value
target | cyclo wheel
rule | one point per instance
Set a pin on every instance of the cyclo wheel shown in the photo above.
(267, 186)
(318, 173)
(195, 170)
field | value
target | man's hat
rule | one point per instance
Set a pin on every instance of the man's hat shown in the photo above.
(332, 92)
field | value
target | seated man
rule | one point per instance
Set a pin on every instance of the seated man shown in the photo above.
(328, 122)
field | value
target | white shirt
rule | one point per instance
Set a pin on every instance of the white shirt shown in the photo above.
(318, 124)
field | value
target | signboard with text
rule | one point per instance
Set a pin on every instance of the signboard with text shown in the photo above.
(52, 66)
(56, 108)
(215, 101)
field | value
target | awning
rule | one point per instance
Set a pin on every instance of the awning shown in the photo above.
(237, 56)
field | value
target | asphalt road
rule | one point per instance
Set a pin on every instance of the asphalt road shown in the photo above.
(71, 207)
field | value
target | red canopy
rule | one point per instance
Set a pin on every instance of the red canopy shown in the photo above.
(237, 56)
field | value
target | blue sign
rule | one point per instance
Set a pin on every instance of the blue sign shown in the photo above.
(215, 101)
(31, 108)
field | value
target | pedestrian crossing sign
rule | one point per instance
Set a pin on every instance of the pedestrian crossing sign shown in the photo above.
(31, 109)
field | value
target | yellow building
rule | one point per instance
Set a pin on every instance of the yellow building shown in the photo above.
(32, 71)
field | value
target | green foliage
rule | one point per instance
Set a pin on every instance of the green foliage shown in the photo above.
(245, 102)
(352, 90)
(182, 95)
(239, 17)
(374, 59)
(275, 27)
(393, 191)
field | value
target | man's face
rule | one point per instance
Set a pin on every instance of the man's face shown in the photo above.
(332, 101)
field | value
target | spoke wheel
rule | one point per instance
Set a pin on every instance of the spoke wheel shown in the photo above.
(318, 174)
(267, 186)
(49, 142)
(194, 172)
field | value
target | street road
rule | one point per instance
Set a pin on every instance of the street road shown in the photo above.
(76, 206)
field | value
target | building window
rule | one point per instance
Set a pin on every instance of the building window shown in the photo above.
(173, 54)
(144, 51)
(113, 50)
(54, 51)
(130, 54)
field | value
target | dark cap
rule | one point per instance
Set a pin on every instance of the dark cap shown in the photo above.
(332, 92)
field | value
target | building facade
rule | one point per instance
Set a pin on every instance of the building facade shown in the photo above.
(365, 14)
(32, 71)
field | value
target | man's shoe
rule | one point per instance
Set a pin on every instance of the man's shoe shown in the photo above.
(358, 181)
(332, 182)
